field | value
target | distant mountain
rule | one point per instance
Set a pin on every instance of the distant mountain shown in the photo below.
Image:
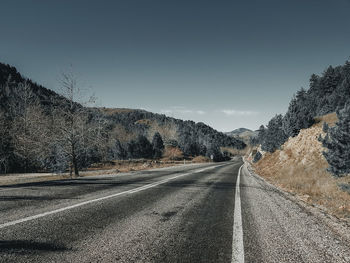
(243, 134)
(238, 131)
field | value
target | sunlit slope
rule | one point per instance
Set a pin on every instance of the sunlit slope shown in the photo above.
(300, 168)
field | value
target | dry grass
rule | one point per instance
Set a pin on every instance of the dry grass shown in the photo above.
(112, 111)
(98, 169)
(122, 134)
(300, 168)
(145, 122)
(111, 167)
(330, 118)
(124, 166)
(201, 159)
(234, 151)
(168, 130)
(172, 153)
(28, 178)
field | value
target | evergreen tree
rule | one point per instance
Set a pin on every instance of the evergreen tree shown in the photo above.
(257, 157)
(157, 145)
(118, 151)
(325, 127)
(337, 141)
(339, 98)
(330, 80)
(202, 150)
(274, 135)
(261, 134)
(299, 115)
(144, 147)
(259, 137)
(214, 150)
(132, 149)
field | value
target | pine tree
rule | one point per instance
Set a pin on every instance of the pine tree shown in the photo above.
(118, 151)
(339, 98)
(299, 115)
(257, 157)
(337, 141)
(274, 135)
(157, 145)
(214, 150)
(261, 134)
(290, 120)
(258, 138)
(325, 127)
(202, 150)
(144, 147)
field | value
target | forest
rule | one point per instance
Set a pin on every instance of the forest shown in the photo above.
(327, 93)
(42, 130)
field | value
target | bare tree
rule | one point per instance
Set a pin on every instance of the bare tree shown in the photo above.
(28, 126)
(4, 143)
(74, 134)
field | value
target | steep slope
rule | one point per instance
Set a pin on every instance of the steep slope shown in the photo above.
(10, 78)
(327, 93)
(300, 167)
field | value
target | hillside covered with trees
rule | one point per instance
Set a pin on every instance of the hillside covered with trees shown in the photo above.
(327, 93)
(43, 130)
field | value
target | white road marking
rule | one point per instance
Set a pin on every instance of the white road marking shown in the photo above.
(237, 238)
(131, 191)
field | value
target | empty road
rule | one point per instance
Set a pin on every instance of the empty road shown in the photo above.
(193, 213)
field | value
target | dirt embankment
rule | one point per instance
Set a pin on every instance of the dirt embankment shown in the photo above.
(300, 168)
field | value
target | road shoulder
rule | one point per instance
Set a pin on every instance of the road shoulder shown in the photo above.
(340, 226)
(278, 227)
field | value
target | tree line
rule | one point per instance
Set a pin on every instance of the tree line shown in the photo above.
(327, 93)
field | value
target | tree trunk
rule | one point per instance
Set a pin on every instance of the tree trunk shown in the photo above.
(75, 165)
(71, 170)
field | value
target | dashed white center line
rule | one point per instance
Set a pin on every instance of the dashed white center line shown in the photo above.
(237, 238)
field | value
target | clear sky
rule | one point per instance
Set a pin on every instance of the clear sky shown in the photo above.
(227, 63)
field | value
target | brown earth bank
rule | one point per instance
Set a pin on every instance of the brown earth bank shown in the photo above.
(299, 167)
(111, 167)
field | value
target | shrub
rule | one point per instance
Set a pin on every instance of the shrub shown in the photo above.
(257, 157)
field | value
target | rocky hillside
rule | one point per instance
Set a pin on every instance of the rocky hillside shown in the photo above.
(300, 167)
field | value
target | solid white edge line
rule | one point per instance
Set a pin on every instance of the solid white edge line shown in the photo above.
(131, 191)
(237, 238)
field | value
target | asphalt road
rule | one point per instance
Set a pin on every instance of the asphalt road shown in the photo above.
(181, 214)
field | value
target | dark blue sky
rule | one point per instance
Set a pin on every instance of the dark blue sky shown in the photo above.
(229, 64)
